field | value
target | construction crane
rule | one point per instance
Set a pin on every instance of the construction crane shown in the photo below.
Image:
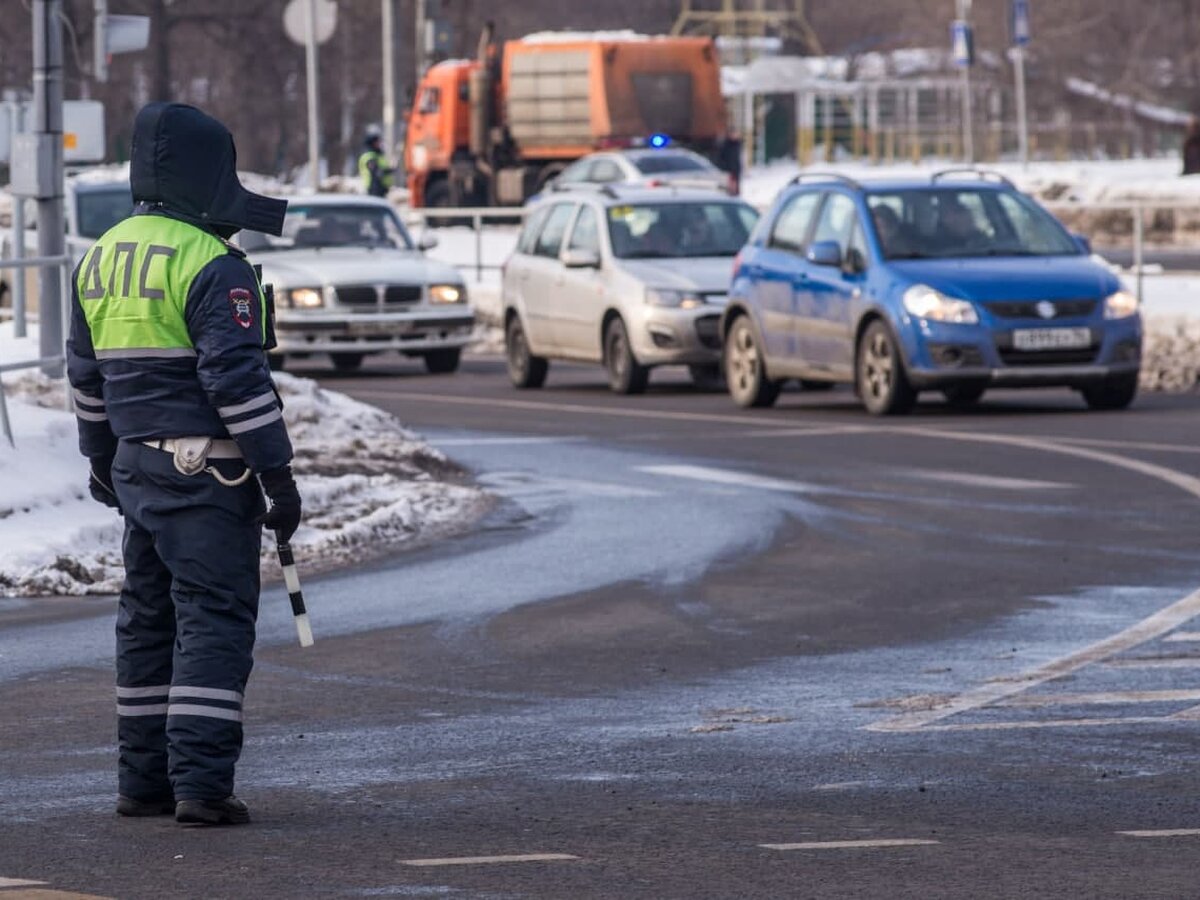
(750, 18)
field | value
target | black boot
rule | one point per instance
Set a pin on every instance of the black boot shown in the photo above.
(161, 806)
(230, 811)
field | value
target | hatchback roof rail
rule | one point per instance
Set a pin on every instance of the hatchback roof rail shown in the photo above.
(825, 176)
(981, 174)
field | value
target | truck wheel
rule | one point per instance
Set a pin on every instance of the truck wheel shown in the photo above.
(438, 196)
(1112, 393)
(442, 362)
(625, 374)
(882, 382)
(524, 369)
(347, 362)
(276, 361)
(745, 371)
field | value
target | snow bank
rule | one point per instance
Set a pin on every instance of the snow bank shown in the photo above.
(369, 486)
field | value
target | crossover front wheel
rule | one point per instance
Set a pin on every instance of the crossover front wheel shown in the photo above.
(882, 382)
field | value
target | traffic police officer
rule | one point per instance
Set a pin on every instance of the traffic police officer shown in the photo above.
(177, 412)
(376, 174)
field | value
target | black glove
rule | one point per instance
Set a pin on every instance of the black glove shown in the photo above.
(284, 515)
(100, 482)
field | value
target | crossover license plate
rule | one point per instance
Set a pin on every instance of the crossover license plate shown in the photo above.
(1052, 338)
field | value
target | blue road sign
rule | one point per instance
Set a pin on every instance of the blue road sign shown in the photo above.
(1020, 22)
(962, 43)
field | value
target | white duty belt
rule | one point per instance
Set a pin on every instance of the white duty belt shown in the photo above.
(191, 456)
(220, 449)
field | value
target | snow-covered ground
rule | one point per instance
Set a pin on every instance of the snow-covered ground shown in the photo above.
(368, 486)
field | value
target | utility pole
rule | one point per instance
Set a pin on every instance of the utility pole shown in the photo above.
(964, 55)
(1020, 39)
(419, 40)
(389, 78)
(48, 128)
(314, 120)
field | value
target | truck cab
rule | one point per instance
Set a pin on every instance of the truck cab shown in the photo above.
(439, 125)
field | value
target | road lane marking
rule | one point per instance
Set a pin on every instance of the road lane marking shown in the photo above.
(1036, 724)
(813, 431)
(505, 441)
(1130, 445)
(521, 484)
(488, 860)
(713, 475)
(1183, 636)
(994, 482)
(1163, 832)
(18, 882)
(851, 845)
(1154, 662)
(1033, 701)
(1153, 626)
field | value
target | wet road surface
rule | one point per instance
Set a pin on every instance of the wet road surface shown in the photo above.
(693, 652)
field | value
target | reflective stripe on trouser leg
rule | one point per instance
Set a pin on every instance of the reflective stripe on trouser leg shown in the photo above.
(204, 533)
(145, 645)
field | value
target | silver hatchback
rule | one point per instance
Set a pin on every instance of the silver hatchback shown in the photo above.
(629, 278)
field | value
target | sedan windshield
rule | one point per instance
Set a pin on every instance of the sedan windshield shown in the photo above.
(662, 163)
(965, 222)
(670, 230)
(100, 209)
(336, 226)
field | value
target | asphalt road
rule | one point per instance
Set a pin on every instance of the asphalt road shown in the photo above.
(693, 652)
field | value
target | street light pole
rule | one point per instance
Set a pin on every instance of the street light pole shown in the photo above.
(310, 57)
(1018, 58)
(964, 15)
(419, 38)
(389, 78)
(48, 129)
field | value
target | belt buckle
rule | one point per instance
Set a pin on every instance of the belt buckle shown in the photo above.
(191, 454)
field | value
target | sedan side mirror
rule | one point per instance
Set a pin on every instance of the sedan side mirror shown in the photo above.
(581, 259)
(428, 241)
(825, 253)
(1083, 243)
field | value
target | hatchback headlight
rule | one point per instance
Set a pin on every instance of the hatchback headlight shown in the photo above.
(674, 299)
(447, 293)
(1120, 305)
(924, 302)
(306, 298)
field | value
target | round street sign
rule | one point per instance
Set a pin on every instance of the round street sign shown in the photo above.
(295, 20)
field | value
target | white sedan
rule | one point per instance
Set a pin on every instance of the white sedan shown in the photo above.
(350, 281)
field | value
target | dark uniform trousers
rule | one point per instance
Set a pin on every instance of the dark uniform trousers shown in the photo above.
(185, 625)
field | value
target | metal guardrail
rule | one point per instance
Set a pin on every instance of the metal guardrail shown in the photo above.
(475, 215)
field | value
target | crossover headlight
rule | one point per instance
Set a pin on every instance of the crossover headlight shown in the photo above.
(447, 293)
(924, 302)
(306, 298)
(1120, 305)
(675, 299)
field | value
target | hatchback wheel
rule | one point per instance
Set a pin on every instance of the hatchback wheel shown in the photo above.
(524, 369)
(745, 371)
(625, 374)
(882, 382)
(1112, 393)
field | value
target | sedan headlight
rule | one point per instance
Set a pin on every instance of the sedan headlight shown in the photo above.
(447, 293)
(924, 302)
(306, 298)
(674, 299)
(1120, 305)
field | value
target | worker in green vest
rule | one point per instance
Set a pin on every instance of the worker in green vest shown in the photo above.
(376, 174)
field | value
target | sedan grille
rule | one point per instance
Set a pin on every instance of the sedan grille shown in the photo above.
(370, 295)
(1028, 309)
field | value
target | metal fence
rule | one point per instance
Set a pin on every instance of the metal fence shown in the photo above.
(476, 217)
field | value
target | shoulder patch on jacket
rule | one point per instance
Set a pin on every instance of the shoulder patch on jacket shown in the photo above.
(241, 301)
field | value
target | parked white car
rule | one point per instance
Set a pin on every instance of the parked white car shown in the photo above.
(665, 167)
(350, 281)
(629, 278)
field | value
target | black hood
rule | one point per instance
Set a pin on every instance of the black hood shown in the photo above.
(185, 161)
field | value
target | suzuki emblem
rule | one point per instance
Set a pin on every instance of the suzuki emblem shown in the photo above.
(1046, 309)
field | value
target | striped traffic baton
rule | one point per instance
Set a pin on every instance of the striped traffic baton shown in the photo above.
(292, 579)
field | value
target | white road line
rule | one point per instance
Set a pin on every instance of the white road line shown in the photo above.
(1163, 832)
(1033, 701)
(521, 484)
(1156, 625)
(850, 845)
(488, 860)
(1129, 445)
(1036, 724)
(1157, 662)
(814, 431)
(994, 482)
(577, 408)
(1183, 636)
(18, 882)
(730, 477)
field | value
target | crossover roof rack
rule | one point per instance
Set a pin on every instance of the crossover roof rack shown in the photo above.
(825, 176)
(981, 174)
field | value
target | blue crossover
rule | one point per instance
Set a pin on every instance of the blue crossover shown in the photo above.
(954, 284)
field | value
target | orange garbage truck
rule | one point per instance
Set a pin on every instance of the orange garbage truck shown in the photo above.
(494, 130)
